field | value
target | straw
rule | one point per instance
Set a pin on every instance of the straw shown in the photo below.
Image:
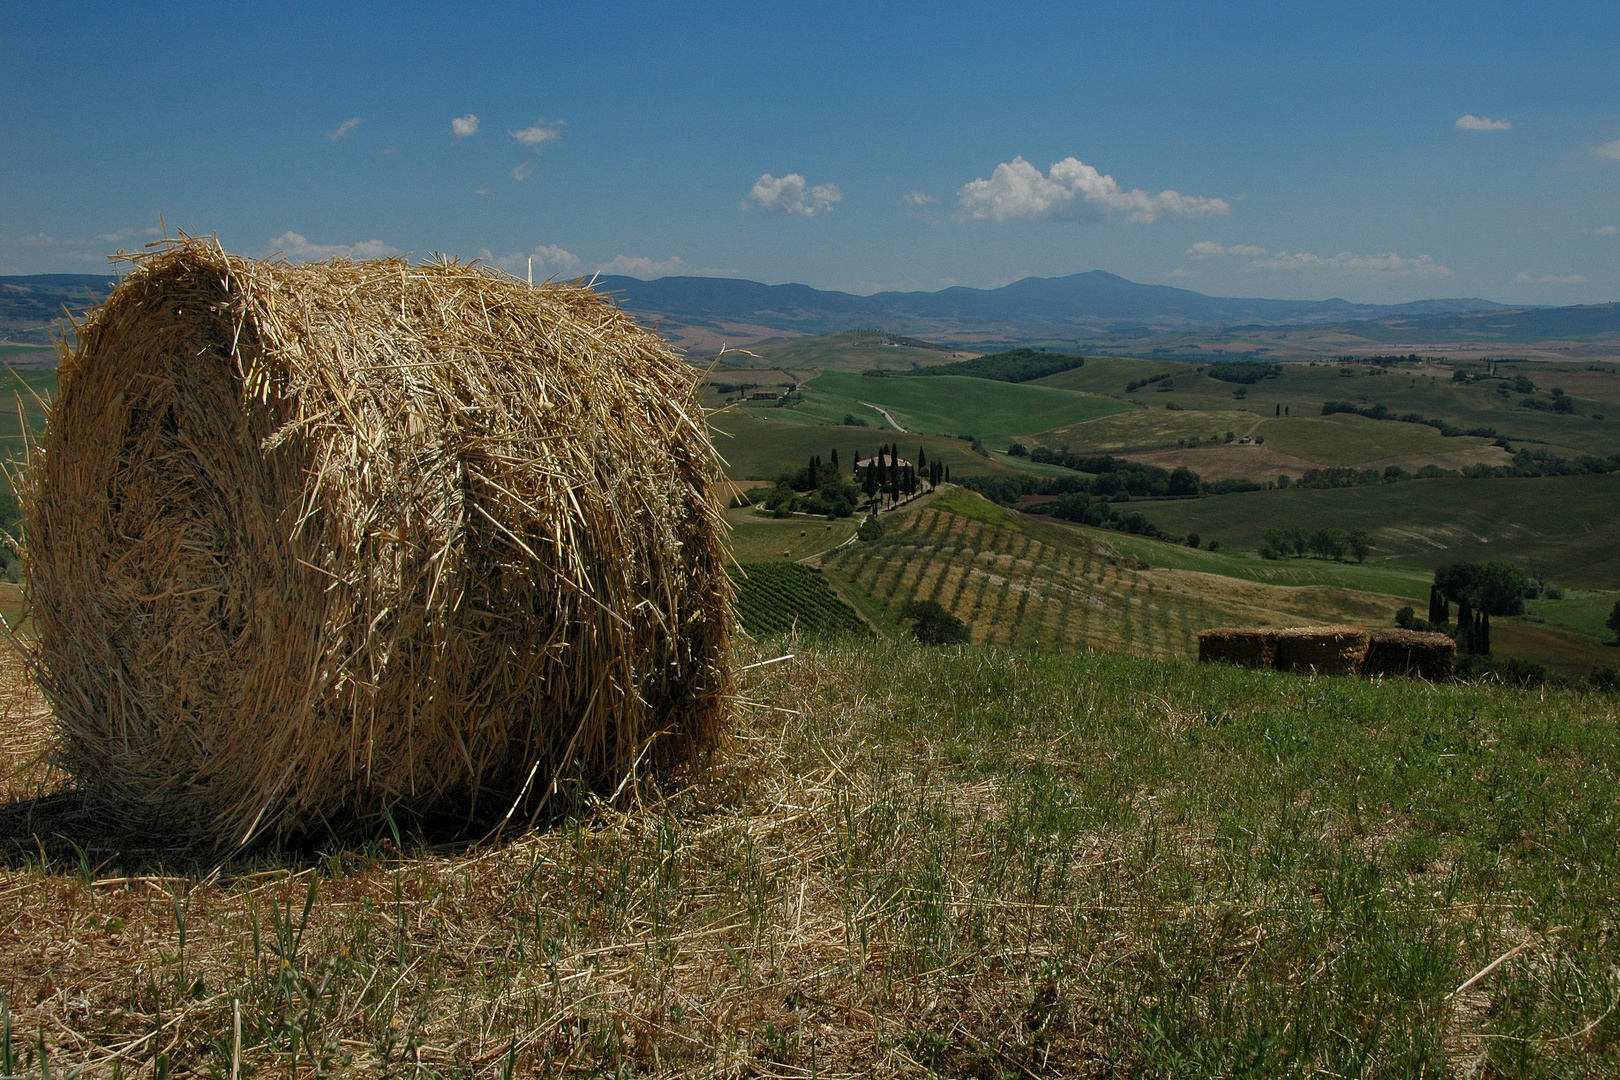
(309, 546)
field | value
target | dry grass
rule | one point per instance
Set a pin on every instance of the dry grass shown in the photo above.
(905, 862)
(315, 547)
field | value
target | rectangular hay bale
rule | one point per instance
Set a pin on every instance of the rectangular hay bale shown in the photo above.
(1326, 650)
(1411, 653)
(1241, 645)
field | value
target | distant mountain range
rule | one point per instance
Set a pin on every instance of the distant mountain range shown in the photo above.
(30, 303)
(1095, 310)
(1096, 304)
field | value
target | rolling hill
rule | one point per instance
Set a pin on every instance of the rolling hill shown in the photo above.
(1079, 306)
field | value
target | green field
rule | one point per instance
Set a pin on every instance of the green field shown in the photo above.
(775, 598)
(1146, 429)
(757, 537)
(1362, 577)
(1346, 439)
(1565, 525)
(1428, 390)
(995, 412)
(857, 350)
(760, 444)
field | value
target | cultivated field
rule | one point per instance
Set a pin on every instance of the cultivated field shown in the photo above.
(1024, 582)
(1564, 525)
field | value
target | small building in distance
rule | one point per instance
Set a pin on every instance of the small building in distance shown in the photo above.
(884, 462)
(763, 395)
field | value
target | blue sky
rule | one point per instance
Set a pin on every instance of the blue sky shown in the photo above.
(1375, 152)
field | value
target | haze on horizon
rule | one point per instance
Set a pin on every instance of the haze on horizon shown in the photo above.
(1375, 153)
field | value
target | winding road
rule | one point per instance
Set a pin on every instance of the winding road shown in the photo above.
(892, 421)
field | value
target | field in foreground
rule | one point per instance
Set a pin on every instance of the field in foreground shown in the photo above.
(905, 862)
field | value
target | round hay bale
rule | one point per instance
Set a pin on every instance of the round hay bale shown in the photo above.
(1239, 645)
(1325, 650)
(313, 546)
(1413, 653)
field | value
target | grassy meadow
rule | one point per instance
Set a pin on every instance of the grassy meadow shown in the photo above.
(856, 351)
(903, 862)
(1564, 525)
(994, 412)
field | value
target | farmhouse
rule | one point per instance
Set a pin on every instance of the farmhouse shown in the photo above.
(762, 395)
(884, 461)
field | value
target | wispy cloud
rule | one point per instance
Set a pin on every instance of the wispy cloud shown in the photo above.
(297, 248)
(640, 266)
(538, 134)
(549, 261)
(1527, 278)
(1470, 122)
(463, 126)
(1071, 190)
(919, 198)
(522, 171)
(1208, 249)
(791, 194)
(1422, 266)
(343, 129)
(1610, 150)
(1607, 230)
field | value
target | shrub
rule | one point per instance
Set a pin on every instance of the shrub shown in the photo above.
(933, 625)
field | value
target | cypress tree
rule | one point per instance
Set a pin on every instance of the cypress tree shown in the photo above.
(1465, 626)
(1484, 636)
(835, 458)
(811, 474)
(922, 458)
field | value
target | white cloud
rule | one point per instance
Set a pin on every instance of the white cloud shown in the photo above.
(115, 237)
(1071, 189)
(549, 261)
(1208, 249)
(295, 248)
(1526, 278)
(1422, 266)
(1260, 259)
(343, 129)
(1470, 122)
(538, 134)
(919, 198)
(522, 171)
(37, 240)
(791, 194)
(640, 266)
(1607, 230)
(1610, 150)
(463, 126)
